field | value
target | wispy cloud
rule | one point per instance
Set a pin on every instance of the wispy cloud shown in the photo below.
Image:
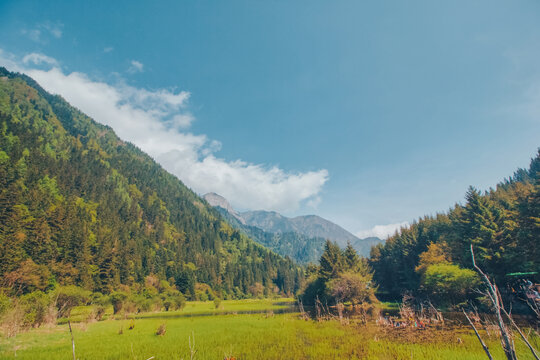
(54, 29)
(41, 32)
(136, 67)
(157, 122)
(38, 59)
(108, 49)
(32, 34)
(382, 231)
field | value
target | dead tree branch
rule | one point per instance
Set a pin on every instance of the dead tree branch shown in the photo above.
(495, 298)
(478, 336)
(523, 337)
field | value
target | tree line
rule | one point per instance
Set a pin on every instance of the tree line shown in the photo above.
(432, 257)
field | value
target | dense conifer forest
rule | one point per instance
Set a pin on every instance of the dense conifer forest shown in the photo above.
(78, 206)
(433, 255)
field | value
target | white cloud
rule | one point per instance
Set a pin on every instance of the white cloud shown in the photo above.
(153, 119)
(38, 59)
(136, 67)
(108, 49)
(382, 231)
(182, 120)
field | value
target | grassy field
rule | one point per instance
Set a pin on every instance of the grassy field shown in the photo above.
(246, 336)
(195, 308)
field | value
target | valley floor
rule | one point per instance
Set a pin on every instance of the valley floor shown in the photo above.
(267, 334)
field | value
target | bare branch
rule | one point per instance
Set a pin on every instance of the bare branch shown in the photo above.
(533, 351)
(495, 297)
(478, 336)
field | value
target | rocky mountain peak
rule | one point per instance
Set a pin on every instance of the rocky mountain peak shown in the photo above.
(217, 200)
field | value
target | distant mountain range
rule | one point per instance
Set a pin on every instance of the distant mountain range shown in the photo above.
(300, 233)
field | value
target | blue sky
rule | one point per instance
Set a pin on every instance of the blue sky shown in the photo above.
(366, 113)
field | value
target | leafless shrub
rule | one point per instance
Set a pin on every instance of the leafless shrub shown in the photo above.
(13, 321)
(51, 315)
(406, 309)
(96, 314)
(303, 314)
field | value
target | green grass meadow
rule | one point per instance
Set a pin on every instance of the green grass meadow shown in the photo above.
(265, 335)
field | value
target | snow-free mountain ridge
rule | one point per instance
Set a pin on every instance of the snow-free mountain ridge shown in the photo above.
(312, 226)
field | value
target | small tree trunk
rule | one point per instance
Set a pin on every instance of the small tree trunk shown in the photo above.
(72, 340)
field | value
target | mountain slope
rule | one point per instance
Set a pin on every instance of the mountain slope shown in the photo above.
(310, 225)
(89, 209)
(302, 238)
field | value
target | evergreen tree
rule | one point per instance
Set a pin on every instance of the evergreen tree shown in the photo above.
(332, 260)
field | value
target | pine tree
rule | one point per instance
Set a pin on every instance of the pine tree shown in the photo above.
(332, 261)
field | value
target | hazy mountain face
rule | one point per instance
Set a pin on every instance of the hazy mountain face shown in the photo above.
(310, 226)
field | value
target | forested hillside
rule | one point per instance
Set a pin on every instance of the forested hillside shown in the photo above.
(301, 248)
(80, 206)
(433, 255)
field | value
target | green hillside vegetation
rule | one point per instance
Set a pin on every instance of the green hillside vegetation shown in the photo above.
(432, 257)
(80, 207)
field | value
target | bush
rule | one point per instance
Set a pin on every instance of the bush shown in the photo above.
(35, 308)
(448, 283)
(178, 300)
(100, 299)
(173, 300)
(257, 290)
(5, 304)
(167, 304)
(117, 300)
(352, 287)
(12, 321)
(161, 330)
(97, 313)
(204, 292)
(67, 297)
(315, 289)
(144, 304)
